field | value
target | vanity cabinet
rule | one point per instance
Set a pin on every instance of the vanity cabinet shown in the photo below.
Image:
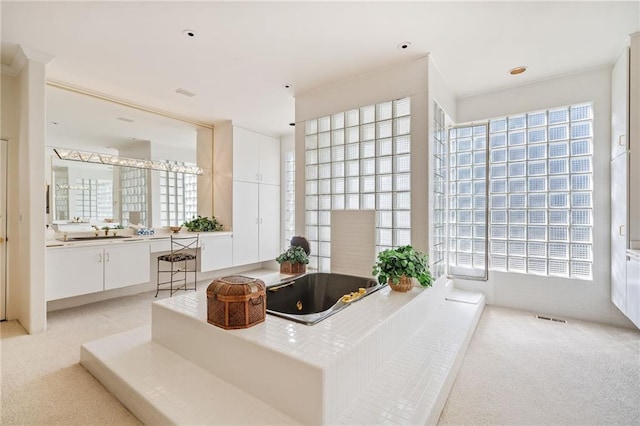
(216, 252)
(126, 264)
(74, 271)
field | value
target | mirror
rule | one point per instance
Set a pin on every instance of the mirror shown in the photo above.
(97, 194)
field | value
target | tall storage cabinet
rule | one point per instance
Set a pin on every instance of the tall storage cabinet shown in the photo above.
(625, 170)
(256, 197)
(619, 178)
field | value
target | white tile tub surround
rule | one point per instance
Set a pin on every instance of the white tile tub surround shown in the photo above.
(311, 373)
(352, 368)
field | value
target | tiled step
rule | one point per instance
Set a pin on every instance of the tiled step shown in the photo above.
(160, 387)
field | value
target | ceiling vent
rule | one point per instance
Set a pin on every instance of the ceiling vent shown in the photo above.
(185, 92)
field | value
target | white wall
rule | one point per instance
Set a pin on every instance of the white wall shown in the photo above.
(588, 300)
(402, 80)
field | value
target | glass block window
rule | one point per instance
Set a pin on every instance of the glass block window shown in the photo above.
(467, 197)
(540, 188)
(289, 197)
(134, 184)
(439, 237)
(178, 197)
(359, 159)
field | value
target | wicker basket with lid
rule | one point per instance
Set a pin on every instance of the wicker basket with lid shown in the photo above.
(236, 302)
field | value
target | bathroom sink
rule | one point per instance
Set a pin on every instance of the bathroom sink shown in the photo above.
(93, 238)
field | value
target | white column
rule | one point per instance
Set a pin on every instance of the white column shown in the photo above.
(30, 294)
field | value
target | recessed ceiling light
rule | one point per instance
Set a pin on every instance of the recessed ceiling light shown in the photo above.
(292, 124)
(517, 70)
(404, 45)
(287, 86)
(55, 123)
(185, 92)
(189, 33)
(128, 120)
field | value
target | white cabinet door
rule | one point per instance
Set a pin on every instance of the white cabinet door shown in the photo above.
(126, 264)
(245, 223)
(270, 160)
(619, 230)
(73, 271)
(216, 252)
(619, 104)
(633, 291)
(246, 155)
(269, 232)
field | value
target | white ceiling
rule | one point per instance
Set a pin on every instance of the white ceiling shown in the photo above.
(243, 53)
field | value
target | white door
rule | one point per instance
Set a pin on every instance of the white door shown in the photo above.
(270, 160)
(246, 155)
(269, 222)
(619, 230)
(245, 223)
(3, 229)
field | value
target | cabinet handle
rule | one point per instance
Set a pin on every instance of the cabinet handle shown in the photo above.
(621, 140)
(257, 177)
(257, 221)
(106, 257)
(621, 230)
(202, 246)
(260, 220)
(99, 257)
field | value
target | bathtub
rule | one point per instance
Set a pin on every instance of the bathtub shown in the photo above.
(312, 297)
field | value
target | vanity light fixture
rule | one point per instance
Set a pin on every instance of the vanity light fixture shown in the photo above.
(517, 70)
(114, 160)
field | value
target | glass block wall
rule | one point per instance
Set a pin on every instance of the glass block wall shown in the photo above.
(359, 159)
(438, 229)
(289, 197)
(541, 208)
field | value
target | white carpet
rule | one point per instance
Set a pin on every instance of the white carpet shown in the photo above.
(518, 370)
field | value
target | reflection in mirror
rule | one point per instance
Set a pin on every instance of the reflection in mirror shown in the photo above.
(94, 193)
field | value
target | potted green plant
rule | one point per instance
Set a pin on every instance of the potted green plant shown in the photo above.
(293, 261)
(203, 224)
(399, 266)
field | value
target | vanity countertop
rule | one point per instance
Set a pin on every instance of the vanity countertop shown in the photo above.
(128, 239)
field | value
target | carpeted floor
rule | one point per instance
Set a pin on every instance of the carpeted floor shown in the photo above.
(518, 370)
(526, 371)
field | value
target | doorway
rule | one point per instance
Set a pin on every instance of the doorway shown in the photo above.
(3, 229)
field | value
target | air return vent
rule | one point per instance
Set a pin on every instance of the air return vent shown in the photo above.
(550, 319)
